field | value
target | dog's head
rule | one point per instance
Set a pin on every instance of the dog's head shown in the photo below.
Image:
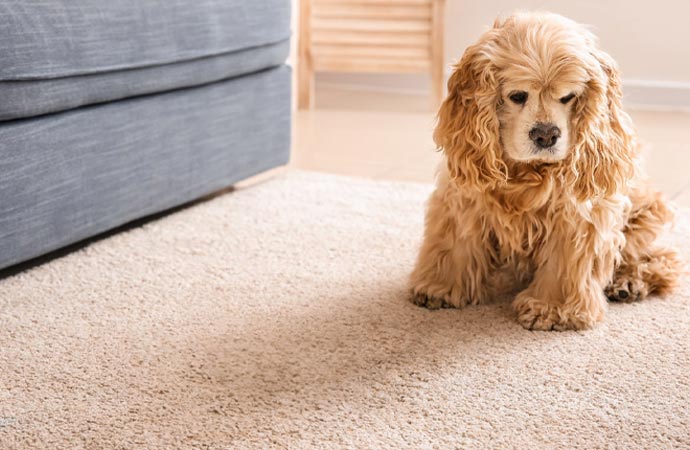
(536, 90)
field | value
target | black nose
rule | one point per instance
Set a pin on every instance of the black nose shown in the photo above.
(545, 135)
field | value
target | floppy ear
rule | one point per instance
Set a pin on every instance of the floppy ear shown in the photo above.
(605, 147)
(468, 127)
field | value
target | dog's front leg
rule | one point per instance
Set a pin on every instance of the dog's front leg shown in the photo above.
(455, 259)
(573, 267)
(554, 302)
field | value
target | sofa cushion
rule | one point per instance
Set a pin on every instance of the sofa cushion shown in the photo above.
(61, 54)
(29, 98)
(59, 38)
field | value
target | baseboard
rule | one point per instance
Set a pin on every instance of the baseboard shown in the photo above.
(638, 94)
(656, 95)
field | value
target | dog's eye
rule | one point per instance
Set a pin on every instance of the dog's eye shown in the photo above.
(519, 97)
(567, 98)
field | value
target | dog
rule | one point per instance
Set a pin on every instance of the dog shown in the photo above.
(541, 181)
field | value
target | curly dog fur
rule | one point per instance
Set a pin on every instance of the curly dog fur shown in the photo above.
(569, 222)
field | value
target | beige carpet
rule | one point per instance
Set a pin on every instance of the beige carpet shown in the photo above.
(275, 317)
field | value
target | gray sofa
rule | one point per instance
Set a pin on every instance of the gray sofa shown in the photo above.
(112, 110)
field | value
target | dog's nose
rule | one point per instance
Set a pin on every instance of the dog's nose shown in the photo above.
(545, 135)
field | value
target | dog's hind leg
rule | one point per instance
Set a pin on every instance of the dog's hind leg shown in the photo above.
(645, 268)
(654, 272)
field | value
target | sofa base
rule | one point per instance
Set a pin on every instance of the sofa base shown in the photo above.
(69, 176)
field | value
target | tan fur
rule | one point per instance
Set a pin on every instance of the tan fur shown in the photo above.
(569, 224)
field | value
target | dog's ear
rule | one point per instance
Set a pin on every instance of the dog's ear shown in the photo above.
(468, 127)
(605, 147)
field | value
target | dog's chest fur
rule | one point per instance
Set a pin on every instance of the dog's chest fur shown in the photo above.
(521, 227)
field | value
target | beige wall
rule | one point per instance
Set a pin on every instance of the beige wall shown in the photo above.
(650, 39)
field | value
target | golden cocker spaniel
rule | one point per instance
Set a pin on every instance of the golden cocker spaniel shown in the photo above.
(542, 189)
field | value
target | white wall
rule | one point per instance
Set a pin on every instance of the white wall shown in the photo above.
(650, 39)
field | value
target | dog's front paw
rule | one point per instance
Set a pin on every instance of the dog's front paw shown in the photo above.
(429, 302)
(534, 314)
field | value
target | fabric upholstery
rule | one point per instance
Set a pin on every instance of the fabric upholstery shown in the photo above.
(68, 176)
(58, 38)
(30, 98)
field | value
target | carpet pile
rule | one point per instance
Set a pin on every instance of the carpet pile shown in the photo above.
(276, 317)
